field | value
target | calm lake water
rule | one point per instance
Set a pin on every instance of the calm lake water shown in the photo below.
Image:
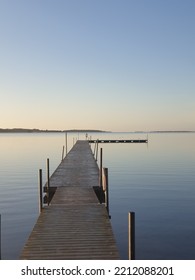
(155, 180)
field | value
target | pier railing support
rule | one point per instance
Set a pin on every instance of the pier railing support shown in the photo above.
(131, 235)
(40, 191)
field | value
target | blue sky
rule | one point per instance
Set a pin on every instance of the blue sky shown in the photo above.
(120, 65)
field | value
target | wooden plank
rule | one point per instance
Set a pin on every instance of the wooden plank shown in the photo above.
(75, 225)
(64, 232)
(77, 169)
(74, 196)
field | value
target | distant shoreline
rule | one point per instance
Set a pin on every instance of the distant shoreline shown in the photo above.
(34, 130)
(28, 130)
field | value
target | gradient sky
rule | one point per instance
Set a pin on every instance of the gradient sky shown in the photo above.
(120, 65)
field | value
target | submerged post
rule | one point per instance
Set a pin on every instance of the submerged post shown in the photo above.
(131, 235)
(48, 183)
(40, 191)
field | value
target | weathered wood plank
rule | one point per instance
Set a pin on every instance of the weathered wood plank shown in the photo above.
(75, 196)
(77, 169)
(66, 232)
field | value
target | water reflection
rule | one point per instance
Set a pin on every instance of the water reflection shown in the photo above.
(155, 180)
(158, 184)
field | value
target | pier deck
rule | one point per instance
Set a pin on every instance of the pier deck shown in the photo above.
(119, 141)
(75, 225)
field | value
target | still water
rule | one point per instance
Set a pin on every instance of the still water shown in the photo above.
(155, 180)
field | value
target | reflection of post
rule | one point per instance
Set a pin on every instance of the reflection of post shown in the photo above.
(131, 236)
(48, 183)
(40, 191)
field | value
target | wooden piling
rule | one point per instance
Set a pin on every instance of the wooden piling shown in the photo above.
(40, 191)
(131, 236)
(62, 152)
(100, 170)
(48, 182)
(0, 236)
(66, 137)
(105, 187)
(94, 148)
(96, 157)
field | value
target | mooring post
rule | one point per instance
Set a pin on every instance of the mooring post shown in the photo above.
(131, 235)
(89, 141)
(62, 152)
(0, 236)
(100, 171)
(40, 191)
(66, 143)
(94, 148)
(48, 182)
(96, 157)
(105, 187)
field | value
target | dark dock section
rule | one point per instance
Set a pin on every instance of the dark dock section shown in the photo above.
(74, 225)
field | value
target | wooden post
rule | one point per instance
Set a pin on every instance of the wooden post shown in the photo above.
(48, 182)
(105, 187)
(94, 148)
(62, 153)
(96, 157)
(40, 191)
(0, 236)
(66, 144)
(100, 172)
(131, 236)
(89, 140)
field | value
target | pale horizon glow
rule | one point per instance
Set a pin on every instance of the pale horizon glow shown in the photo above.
(112, 65)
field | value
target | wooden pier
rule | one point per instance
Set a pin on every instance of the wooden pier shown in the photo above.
(119, 141)
(75, 225)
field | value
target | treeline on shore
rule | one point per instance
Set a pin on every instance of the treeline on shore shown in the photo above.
(35, 130)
